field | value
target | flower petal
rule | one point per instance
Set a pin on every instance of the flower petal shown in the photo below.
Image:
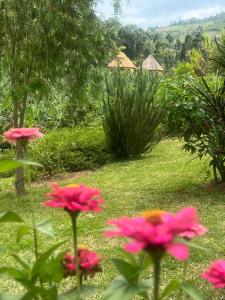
(178, 250)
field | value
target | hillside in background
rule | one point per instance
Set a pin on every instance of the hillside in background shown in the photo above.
(211, 25)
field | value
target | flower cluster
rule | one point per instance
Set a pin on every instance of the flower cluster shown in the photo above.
(22, 134)
(216, 274)
(89, 263)
(75, 198)
(157, 231)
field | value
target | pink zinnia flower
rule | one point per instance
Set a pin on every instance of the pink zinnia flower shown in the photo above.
(156, 232)
(75, 198)
(196, 230)
(216, 274)
(89, 263)
(22, 134)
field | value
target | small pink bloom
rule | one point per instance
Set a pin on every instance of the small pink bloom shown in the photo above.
(68, 262)
(156, 231)
(22, 134)
(77, 198)
(89, 263)
(216, 274)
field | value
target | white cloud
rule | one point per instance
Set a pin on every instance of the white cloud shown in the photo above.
(162, 12)
(201, 13)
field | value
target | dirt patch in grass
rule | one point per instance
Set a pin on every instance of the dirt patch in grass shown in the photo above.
(61, 177)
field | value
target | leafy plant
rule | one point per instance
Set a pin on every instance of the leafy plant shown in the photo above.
(131, 113)
(72, 149)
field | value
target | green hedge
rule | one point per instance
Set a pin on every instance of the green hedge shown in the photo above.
(70, 150)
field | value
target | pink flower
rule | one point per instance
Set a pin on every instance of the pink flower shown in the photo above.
(22, 134)
(156, 232)
(196, 230)
(89, 263)
(75, 198)
(68, 262)
(216, 274)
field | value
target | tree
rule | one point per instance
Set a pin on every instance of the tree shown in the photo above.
(45, 43)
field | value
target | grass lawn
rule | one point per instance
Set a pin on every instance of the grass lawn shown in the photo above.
(163, 179)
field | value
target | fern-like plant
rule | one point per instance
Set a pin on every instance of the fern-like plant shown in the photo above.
(131, 114)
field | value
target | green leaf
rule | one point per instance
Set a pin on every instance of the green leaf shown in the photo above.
(42, 260)
(130, 272)
(145, 261)
(120, 288)
(190, 289)
(194, 246)
(7, 102)
(49, 293)
(24, 263)
(10, 164)
(21, 232)
(46, 227)
(52, 270)
(173, 286)
(72, 294)
(30, 163)
(9, 216)
(10, 272)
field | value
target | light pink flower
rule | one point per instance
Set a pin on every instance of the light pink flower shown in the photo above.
(156, 231)
(196, 230)
(216, 274)
(89, 263)
(75, 198)
(22, 134)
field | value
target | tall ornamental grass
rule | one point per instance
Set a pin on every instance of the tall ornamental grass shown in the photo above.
(131, 114)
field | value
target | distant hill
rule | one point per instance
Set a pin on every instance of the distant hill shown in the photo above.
(211, 25)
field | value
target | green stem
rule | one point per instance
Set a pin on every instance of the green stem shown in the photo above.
(184, 275)
(35, 236)
(35, 243)
(156, 270)
(35, 233)
(74, 228)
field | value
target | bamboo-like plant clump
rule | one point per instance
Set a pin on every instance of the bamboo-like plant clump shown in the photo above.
(131, 114)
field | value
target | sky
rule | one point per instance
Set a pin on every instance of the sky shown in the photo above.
(148, 13)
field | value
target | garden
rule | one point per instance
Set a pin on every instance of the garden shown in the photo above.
(112, 178)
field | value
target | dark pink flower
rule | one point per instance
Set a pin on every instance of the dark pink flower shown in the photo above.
(89, 263)
(75, 198)
(156, 232)
(216, 274)
(22, 134)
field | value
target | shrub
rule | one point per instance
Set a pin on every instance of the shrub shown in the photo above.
(69, 150)
(4, 145)
(131, 115)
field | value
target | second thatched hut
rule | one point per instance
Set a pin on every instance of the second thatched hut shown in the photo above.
(150, 64)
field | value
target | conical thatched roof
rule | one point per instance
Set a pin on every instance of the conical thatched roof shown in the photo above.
(121, 61)
(151, 64)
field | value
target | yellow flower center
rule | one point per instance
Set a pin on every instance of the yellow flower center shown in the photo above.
(72, 185)
(82, 246)
(154, 216)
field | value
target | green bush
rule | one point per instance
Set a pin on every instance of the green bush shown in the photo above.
(73, 149)
(131, 114)
(4, 146)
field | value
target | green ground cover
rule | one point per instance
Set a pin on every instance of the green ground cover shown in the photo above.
(167, 178)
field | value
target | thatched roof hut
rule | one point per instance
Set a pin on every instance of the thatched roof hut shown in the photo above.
(121, 61)
(150, 64)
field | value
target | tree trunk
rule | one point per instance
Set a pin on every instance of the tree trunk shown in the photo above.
(215, 174)
(20, 185)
